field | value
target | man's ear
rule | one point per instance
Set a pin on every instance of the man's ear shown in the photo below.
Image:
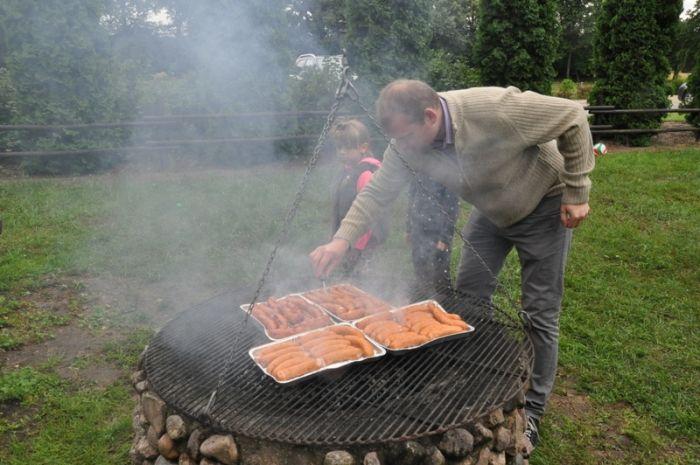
(430, 116)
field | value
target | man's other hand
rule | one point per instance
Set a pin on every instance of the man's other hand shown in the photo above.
(326, 257)
(573, 215)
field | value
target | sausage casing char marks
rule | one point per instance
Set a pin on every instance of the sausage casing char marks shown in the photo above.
(347, 302)
(289, 316)
(412, 326)
(312, 352)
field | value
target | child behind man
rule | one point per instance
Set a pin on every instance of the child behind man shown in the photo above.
(352, 145)
(432, 213)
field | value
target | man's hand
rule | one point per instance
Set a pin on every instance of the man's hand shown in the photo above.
(326, 257)
(573, 215)
(441, 246)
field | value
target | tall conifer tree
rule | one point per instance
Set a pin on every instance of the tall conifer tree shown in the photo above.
(631, 60)
(517, 43)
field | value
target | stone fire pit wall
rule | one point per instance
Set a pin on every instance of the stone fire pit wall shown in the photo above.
(163, 437)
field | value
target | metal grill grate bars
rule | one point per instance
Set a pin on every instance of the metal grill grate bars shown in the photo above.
(397, 397)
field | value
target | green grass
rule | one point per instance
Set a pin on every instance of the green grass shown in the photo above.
(630, 319)
(61, 424)
(675, 117)
(629, 327)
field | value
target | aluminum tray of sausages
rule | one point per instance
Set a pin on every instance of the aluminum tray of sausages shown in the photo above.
(346, 302)
(299, 357)
(414, 326)
(288, 315)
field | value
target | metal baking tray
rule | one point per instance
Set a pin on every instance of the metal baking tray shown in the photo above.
(354, 289)
(379, 351)
(430, 343)
(245, 308)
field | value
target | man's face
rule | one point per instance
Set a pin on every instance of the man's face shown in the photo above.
(412, 137)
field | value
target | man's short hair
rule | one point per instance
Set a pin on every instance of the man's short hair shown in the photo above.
(349, 134)
(407, 97)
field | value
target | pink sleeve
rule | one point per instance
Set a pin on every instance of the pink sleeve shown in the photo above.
(361, 183)
(363, 180)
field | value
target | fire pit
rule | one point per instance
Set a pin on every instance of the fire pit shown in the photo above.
(461, 399)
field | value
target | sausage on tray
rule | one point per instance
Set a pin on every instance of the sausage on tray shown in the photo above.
(347, 302)
(311, 352)
(412, 326)
(289, 316)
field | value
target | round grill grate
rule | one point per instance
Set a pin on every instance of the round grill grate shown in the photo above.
(394, 398)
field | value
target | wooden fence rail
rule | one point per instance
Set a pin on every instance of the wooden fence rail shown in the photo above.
(172, 120)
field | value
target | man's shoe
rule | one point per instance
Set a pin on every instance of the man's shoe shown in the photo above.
(532, 433)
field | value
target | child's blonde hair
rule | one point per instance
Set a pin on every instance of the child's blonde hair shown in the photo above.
(349, 134)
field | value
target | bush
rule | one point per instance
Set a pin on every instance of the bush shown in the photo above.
(313, 89)
(673, 84)
(447, 72)
(567, 89)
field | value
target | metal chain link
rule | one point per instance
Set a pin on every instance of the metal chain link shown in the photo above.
(340, 95)
(354, 96)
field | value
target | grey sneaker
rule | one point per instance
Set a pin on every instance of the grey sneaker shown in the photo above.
(532, 433)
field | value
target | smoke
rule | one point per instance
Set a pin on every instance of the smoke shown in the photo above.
(186, 223)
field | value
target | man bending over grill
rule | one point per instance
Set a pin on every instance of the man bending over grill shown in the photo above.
(522, 160)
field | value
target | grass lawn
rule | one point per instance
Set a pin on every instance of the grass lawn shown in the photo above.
(629, 360)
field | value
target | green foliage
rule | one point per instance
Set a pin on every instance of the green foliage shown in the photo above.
(58, 64)
(387, 40)
(454, 24)
(313, 89)
(446, 72)
(671, 85)
(687, 41)
(567, 89)
(517, 44)
(577, 19)
(632, 45)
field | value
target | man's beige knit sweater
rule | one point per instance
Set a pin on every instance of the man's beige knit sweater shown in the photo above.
(512, 149)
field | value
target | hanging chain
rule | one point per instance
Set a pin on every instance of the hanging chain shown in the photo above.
(354, 96)
(340, 95)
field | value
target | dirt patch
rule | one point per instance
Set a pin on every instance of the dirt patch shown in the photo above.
(675, 139)
(71, 348)
(71, 351)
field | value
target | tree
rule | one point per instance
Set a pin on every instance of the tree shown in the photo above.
(632, 46)
(387, 39)
(454, 24)
(576, 46)
(687, 41)
(517, 43)
(58, 65)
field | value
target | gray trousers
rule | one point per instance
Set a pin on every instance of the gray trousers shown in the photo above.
(542, 243)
